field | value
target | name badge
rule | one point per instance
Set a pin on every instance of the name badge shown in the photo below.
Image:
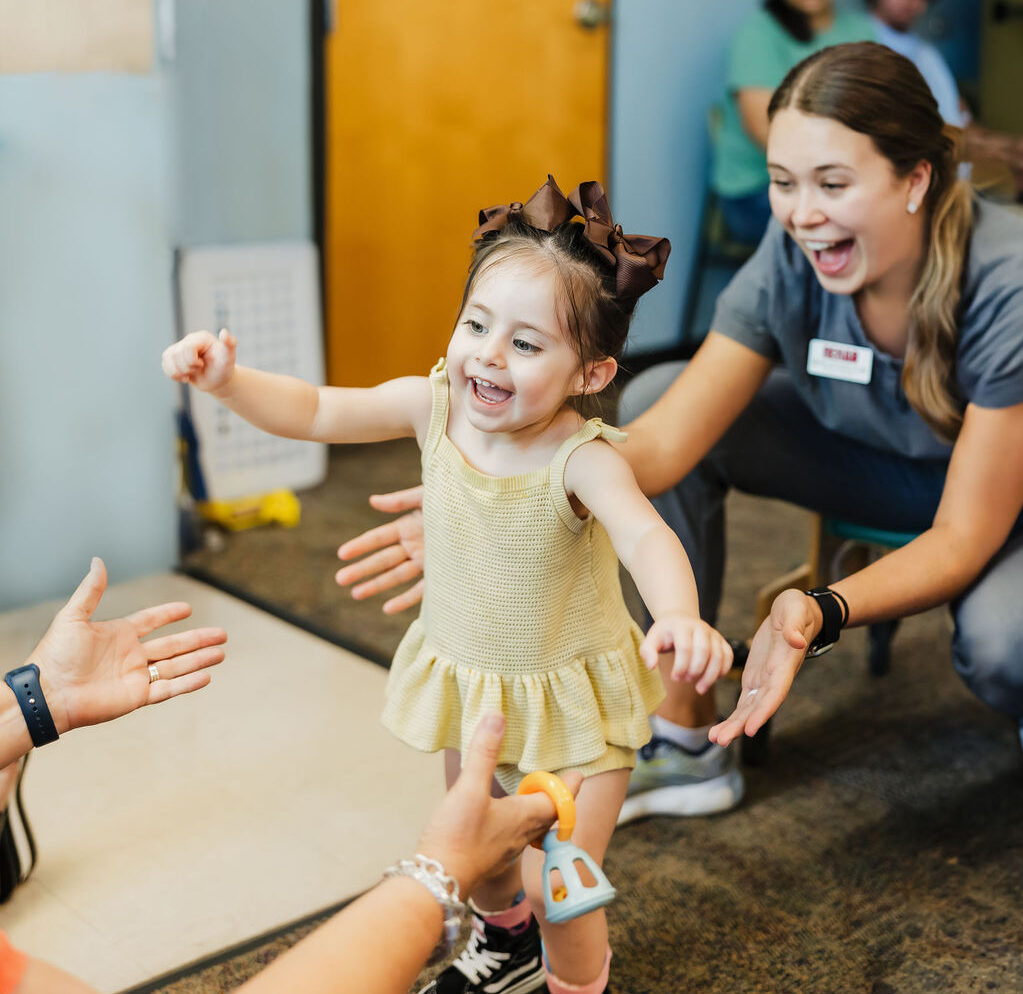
(839, 361)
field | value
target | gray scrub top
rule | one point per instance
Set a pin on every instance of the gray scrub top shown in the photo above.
(775, 305)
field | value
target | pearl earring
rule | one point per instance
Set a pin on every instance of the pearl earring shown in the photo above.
(912, 207)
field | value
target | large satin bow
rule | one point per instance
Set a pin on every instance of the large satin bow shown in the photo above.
(638, 260)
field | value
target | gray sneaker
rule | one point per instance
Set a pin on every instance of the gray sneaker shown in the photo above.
(671, 780)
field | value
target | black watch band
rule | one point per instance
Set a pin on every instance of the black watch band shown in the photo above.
(835, 612)
(24, 681)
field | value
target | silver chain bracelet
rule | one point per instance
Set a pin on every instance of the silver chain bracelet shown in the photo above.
(444, 888)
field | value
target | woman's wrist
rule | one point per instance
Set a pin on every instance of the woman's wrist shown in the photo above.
(432, 877)
(14, 733)
(455, 866)
(834, 613)
(55, 693)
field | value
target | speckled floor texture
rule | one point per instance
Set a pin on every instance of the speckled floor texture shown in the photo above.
(880, 850)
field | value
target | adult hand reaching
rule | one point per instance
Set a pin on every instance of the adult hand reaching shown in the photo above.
(776, 653)
(94, 671)
(397, 552)
(474, 835)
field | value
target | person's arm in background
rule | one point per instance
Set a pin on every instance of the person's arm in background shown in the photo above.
(984, 146)
(95, 671)
(752, 103)
(980, 503)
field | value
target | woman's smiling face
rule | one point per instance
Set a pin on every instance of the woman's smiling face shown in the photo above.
(841, 201)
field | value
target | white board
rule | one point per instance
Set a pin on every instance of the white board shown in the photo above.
(267, 296)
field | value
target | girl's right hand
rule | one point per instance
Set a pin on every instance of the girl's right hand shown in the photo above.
(202, 360)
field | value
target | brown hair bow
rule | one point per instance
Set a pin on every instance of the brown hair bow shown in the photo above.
(638, 260)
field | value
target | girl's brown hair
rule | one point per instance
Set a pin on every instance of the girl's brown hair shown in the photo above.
(879, 93)
(594, 315)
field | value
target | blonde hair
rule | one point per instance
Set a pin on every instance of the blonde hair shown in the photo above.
(879, 93)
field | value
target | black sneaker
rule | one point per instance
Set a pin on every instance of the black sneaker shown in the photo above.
(494, 961)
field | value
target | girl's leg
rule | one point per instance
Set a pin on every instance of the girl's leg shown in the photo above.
(577, 951)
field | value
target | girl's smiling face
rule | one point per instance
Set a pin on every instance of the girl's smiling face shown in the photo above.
(510, 363)
(841, 201)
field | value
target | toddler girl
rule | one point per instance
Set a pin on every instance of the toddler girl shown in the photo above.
(527, 510)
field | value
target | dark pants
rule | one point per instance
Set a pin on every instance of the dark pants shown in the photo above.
(776, 448)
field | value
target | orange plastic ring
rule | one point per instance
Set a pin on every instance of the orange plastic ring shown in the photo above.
(541, 782)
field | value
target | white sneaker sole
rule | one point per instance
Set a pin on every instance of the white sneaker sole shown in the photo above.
(686, 800)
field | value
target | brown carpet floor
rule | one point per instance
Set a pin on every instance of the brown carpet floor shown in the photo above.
(879, 851)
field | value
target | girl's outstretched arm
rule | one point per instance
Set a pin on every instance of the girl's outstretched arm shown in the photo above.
(292, 408)
(652, 553)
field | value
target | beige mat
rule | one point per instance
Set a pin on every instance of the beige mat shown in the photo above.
(188, 827)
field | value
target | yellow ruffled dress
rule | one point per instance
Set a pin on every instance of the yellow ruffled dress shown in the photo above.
(522, 613)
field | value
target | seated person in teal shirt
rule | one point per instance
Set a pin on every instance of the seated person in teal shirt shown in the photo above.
(769, 42)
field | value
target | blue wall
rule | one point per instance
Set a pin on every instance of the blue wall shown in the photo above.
(102, 175)
(668, 68)
(239, 89)
(85, 307)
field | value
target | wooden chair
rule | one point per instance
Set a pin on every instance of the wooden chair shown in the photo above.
(837, 548)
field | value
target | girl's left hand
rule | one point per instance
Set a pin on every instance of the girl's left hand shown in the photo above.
(701, 652)
(776, 653)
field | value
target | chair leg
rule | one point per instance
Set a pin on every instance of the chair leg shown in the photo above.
(879, 637)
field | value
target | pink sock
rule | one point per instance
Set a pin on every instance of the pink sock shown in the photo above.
(514, 918)
(597, 986)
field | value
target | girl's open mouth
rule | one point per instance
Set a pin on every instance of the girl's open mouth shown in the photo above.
(487, 392)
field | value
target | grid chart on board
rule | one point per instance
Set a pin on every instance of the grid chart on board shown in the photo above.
(267, 296)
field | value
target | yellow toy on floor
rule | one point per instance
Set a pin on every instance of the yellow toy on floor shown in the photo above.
(277, 507)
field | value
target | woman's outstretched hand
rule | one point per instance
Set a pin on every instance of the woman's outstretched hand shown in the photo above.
(396, 552)
(776, 653)
(94, 671)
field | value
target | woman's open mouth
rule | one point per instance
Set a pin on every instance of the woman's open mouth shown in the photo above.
(831, 257)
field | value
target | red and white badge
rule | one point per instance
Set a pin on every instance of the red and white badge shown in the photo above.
(840, 361)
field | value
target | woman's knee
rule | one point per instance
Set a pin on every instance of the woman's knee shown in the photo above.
(987, 648)
(988, 656)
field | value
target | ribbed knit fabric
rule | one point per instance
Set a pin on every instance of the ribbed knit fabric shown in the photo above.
(523, 613)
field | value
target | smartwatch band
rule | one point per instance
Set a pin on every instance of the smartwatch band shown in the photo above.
(835, 612)
(24, 681)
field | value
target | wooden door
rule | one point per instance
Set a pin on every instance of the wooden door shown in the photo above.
(435, 110)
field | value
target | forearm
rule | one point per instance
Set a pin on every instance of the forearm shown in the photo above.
(355, 950)
(280, 405)
(667, 441)
(662, 574)
(931, 570)
(15, 740)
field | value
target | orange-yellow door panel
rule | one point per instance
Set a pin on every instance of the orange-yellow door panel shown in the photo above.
(434, 111)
